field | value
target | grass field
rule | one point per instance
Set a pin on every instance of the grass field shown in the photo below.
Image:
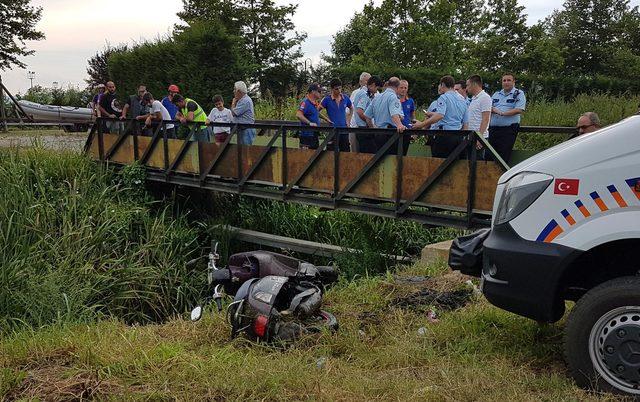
(379, 353)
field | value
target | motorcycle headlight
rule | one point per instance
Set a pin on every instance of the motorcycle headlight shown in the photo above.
(519, 193)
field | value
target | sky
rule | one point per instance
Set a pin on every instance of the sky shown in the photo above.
(74, 32)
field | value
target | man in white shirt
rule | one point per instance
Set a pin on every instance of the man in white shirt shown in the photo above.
(355, 97)
(479, 111)
(220, 114)
(157, 114)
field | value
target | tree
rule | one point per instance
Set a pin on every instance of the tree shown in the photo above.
(405, 33)
(502, 42)
(98, 68)
(597, 36)
(17, 25)
(267, 32)
(542, 54)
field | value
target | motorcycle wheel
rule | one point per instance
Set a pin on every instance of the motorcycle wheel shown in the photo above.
(291, 331)
(324, 319)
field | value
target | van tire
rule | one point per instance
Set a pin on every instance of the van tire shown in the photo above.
(599, 308)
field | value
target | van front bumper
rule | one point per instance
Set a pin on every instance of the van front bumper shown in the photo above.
(522, 276)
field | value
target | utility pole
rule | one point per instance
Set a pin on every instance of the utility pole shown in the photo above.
(31, 75)
(3, 113)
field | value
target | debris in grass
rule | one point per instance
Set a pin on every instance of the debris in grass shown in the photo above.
(446, 301)
(321, 362)
(474, 288)
(432, 317)
(410, 279)
(422, 331)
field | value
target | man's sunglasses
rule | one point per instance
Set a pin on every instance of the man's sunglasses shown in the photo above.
(584, 127)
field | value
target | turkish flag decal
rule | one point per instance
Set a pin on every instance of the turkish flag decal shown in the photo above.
(566, 186)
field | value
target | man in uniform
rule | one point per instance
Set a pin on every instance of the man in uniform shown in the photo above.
(461, 88)
(192, 117)
(508, 105)
(450, 114)
(409, 110)
(385, 111)
(355, 96)
(308, 115)
(366, 141)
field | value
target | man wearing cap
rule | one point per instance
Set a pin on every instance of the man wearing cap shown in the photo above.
(167, 101)
(308, 115)
(135, 108)
(193, 117)
(336, 103)
(385, 111)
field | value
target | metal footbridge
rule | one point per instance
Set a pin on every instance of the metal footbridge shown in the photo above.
(457, 191)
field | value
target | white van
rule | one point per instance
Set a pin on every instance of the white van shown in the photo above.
(566, 226)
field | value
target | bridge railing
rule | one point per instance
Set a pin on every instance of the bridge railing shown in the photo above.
(455, 191)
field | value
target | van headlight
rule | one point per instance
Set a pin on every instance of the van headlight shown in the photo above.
(519, 193)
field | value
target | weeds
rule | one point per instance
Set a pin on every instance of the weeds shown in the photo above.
(78, 241)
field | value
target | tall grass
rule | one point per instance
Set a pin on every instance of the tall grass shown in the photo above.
(371, 236)
(78, 241)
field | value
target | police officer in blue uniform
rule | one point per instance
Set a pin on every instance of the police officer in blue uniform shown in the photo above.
(308, 115)
(508, 105)
(385, 111)
(450, 114)
(366, 141)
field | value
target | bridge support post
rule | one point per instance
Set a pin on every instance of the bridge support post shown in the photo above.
(3, 113)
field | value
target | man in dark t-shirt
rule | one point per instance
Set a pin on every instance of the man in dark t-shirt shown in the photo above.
(110, 107)
(135, 107)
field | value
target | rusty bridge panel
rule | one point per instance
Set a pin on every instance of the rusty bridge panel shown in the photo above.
(450, 191)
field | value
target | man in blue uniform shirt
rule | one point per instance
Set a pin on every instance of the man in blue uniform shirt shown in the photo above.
(409, 110)
(366, 141)
(336, 103)
(308, 115)
(450, 114)
(385, 111)
(508, 105)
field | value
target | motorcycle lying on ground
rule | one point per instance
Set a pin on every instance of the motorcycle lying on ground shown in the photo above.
(277, 298)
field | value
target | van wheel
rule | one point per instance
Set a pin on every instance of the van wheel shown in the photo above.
(602, 338)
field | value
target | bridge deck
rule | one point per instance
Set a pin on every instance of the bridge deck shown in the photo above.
(449, 192)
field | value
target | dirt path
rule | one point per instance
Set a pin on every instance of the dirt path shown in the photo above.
(52, 139)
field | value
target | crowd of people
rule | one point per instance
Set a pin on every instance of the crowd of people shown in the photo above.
(461, 105)
(184, 117)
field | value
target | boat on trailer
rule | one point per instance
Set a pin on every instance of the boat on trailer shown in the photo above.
(81, 117)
